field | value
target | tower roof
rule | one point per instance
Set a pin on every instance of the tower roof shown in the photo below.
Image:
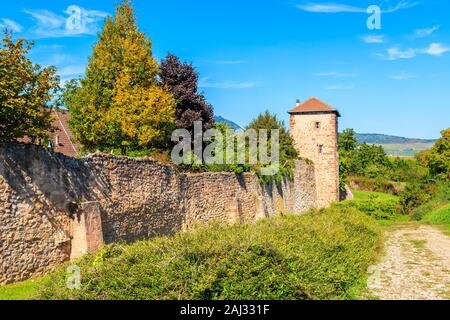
(313, 105)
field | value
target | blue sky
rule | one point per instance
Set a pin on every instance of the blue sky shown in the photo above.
(257, 55)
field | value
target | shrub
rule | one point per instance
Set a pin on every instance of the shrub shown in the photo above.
(439, 199)
(377, 206)
(373, 185)
(415, 195)
(320, 255)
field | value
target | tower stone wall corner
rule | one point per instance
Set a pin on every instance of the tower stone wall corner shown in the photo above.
(314, 128)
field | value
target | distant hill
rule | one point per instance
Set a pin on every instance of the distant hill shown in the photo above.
(396, 146)
(373, 138)
(230, 123)
(393, 145)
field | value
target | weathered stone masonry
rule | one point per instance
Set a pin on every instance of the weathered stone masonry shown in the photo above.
(54, 207)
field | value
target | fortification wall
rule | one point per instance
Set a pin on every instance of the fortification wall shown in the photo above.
(53, 207)
(315, 136)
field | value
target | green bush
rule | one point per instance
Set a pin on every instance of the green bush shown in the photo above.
(320, 255)
(374, 185)
(415, 195)
(375, 205)
(439, 199)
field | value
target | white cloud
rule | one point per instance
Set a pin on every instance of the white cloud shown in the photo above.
(340, 87)
(69, 71)
(400, 6)
(51, 25)
(395, 53)
(373, 38)
(436, 49)
(422, 33)
(343, 8)
(10, 25)
(329, 8)
(204, 83)
(402, 76)
(335, 74)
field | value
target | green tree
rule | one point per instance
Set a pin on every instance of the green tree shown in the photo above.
(270, 121)
(347, 140)
(287, 150)
(119, 103)
(439, 158)
(368, 160)
(26, 91)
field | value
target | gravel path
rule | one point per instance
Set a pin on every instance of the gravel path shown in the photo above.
(415, 265)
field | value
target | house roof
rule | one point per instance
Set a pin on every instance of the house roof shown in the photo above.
(313, 105)
(63, 135)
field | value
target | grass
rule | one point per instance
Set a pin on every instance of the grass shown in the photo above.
(406, 150)
(320, 255)
(381, 206)
(26, 290)
(367, 195)
(439, 217)
(437, 210)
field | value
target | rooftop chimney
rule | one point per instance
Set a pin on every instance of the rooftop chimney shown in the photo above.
(297, 102)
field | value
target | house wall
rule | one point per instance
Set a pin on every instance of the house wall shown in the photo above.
(54, 207)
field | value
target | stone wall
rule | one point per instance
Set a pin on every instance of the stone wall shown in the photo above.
(53, 208)
(316, 138)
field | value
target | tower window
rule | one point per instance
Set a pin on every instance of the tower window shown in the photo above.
(317, 125)
(320, 148)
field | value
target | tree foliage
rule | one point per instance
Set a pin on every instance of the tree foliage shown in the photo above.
(270, 121)
(439, 157)
(182, 80)
(347, 140)
(119, 103)
(26, 91)
(364, 160)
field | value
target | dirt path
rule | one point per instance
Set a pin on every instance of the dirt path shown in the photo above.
(415, 266)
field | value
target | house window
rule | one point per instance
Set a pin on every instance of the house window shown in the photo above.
(320, 148)
(317, 125)
(57, 142)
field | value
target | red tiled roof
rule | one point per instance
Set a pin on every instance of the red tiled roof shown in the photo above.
(62, 138)
(313, 105)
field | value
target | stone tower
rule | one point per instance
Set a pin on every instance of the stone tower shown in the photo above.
(314, 128)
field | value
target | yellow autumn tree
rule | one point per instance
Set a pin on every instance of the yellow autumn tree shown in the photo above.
(119, 103)
(26, 92)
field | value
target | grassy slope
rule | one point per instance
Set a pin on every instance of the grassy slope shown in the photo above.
(381, 201)
(366, 195)
(21, 291)
(406, 150)
(320, 255)
(437, 210)
(439, 216)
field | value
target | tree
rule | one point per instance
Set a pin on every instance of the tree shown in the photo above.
(119, 103)
(26, 91)
(347, 140)
(439, 158)
(181, 79)
(270, 121)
